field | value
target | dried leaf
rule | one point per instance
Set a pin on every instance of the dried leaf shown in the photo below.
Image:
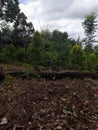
(96, 109)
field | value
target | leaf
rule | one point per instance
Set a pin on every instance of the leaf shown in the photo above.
(65, 111)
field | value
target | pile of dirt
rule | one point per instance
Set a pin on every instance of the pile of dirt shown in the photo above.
(40, 104)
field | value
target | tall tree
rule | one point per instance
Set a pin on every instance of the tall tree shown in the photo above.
(5, 34)
(22, 31)
(35, 49)
(58, 36)
(9, 9)
(89, 26)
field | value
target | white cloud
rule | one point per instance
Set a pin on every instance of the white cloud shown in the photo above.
(65, 15)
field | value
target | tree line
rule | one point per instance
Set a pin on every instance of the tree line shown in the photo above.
(20, 43)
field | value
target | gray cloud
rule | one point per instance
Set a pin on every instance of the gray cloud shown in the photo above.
(65, 15)
(55, 9)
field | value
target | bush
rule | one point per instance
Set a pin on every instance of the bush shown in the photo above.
(8, 54)
(21, 55)
(8, 81)
(91, 61)
(76, 57)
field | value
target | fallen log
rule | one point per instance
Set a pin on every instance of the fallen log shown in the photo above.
(53, 75)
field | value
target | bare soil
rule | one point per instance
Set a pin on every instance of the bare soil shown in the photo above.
(39, 104)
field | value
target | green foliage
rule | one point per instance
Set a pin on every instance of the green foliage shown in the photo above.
(9, 10)
(37, 40)
(5, 34)
(47, 35)
(89, 26)
(8, 54)
(64, 54)
(35, 49)
(45, 48)
(65, 111)
(48, 49)
(58, 36)
(8, 81)
(96, 50)
(76, 57)
(22, 31)
(88, 49)
(56, 48)
(20, 55)
(52, 57)
(91, 61)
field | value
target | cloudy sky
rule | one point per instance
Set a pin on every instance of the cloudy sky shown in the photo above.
(64, 15)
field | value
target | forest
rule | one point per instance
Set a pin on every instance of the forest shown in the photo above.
(20, 43)
(48, 81)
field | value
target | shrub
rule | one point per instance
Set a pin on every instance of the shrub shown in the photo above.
(91, 61)
(76, 57)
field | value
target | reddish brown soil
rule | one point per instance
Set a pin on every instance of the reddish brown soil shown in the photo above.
(49, 105)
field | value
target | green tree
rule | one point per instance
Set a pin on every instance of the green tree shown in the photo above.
(23, 31)
(9, 9)
(89, 26)
(35, 49)
(58, 44)
(5, 34)
(91, 61)
(53, 58)
(96, 50)
(76, 57)
(59, 37)
(20, 55)
(8, 54)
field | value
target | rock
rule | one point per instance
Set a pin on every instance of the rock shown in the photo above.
(59, 128)
(4, 121)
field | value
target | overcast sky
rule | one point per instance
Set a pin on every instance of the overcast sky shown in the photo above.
(64, 15)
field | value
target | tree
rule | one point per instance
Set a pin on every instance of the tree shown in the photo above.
(35, 49)
(59, 37)
(96, 50)
(20, 55)
(8, 54)
(89, 26)
(91, 61)
(76, 57)
(53, 58)
(22, 31)
(9, 9)
(5, 34)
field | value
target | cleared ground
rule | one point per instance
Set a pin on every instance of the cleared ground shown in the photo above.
(40, 104)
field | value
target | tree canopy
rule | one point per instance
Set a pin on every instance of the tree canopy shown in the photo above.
(20, 43)
(89, 26)
(9, 9)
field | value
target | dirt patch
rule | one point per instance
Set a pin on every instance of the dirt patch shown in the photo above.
(49, 104)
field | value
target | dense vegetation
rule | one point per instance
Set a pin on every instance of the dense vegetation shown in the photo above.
(19, 43)
(38, 95)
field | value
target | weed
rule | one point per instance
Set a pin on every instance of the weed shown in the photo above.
(16, 92)
(8, 80)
